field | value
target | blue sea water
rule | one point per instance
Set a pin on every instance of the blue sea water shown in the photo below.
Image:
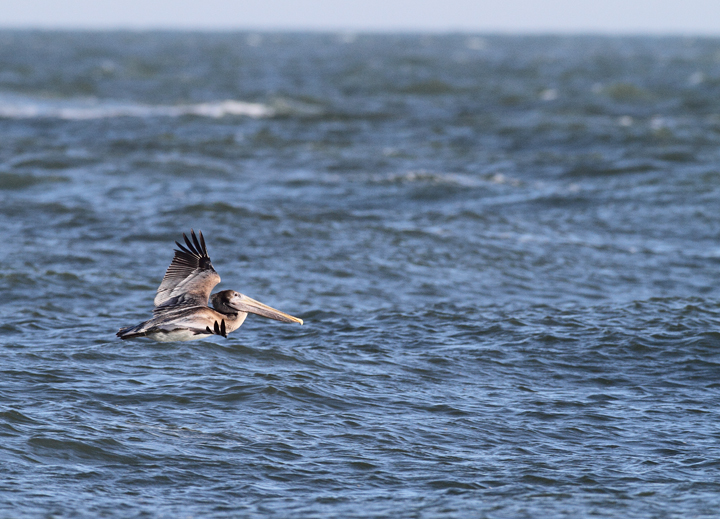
(505, 250)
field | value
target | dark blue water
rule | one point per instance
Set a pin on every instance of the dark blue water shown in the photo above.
(505, 250)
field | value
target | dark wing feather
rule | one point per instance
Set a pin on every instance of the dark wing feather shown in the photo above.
(189, 279)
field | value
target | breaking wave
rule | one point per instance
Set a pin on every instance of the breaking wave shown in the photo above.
(15, 107)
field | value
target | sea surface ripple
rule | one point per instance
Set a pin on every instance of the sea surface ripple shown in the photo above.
(505, 250)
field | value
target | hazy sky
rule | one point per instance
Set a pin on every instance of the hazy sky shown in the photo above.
(691, 17)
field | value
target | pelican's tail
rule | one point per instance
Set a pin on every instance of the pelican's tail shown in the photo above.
(131, 332)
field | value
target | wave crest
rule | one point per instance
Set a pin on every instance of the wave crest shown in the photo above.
(29, 108)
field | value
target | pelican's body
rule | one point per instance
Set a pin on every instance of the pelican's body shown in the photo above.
(181, 309)
(184, 325)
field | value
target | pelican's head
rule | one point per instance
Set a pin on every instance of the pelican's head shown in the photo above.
(229, 301)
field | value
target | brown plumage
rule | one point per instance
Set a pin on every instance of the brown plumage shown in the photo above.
(181, 305)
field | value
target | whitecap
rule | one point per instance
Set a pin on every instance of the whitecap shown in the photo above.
(17, 107)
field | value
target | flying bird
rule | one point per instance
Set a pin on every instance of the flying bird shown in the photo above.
(181, 305)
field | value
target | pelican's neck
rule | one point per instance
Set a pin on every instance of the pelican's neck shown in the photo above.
(233, 320)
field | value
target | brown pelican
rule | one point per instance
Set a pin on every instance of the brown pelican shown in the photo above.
(181, 304)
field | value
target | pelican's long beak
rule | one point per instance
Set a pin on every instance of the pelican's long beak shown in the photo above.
(248, 305)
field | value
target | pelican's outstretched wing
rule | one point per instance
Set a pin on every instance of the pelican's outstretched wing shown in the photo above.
(190, 277)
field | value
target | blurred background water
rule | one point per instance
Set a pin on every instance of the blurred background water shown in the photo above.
(505, 251)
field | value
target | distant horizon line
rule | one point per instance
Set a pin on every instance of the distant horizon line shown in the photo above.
(368, 31)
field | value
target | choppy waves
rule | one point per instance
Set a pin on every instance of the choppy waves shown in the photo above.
(461, 404)
(505, 251)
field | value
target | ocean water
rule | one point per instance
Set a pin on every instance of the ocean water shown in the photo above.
(505, 250)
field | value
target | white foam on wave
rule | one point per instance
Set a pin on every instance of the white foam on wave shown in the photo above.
(15, 107)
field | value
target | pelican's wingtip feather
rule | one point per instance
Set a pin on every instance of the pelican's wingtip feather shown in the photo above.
(190, 245)
(202, 241)
(198, 248)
